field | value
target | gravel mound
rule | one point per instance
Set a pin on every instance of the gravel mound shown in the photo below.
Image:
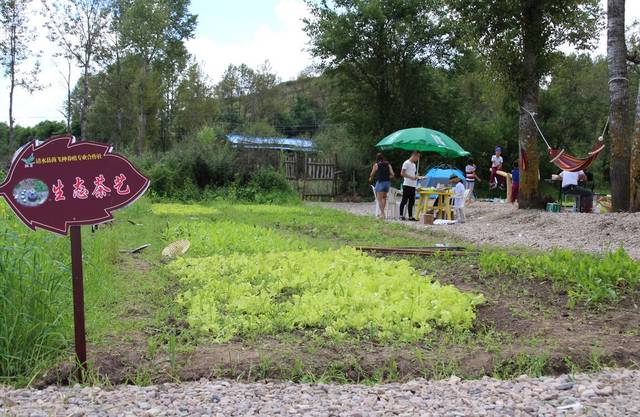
(505, 225)
(608, 393)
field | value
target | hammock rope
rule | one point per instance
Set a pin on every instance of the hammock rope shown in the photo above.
(565, 161)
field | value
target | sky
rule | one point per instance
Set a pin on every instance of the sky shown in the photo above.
(228, 32)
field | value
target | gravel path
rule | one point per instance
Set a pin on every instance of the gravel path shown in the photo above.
(608, 393)
(505, 225)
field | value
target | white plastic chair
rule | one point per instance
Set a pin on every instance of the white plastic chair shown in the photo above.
(391, 210)
(376, 207)
(393, 203)
(465, 200)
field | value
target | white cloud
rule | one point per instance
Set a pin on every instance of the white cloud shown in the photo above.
(283, 46)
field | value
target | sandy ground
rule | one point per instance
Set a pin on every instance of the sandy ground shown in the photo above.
(504, 225)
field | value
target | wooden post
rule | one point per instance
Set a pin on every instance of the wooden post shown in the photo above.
(78, 299)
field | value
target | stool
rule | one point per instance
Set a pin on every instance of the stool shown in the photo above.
(576, 201)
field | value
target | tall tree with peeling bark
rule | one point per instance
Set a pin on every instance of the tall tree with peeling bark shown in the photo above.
(520, 40)
(619, 98)
(78, 26)
(16, 38)
(634, 203)
(633, 56)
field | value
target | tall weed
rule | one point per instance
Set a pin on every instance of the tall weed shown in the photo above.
(32, 288)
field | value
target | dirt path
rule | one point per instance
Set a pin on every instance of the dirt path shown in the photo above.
(506, 226)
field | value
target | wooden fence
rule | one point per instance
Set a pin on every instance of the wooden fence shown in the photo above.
(311, 177)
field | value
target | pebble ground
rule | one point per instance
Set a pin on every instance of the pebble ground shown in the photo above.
(607, 393)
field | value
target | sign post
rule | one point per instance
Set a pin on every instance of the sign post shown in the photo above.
(59, 185)
(78, 298)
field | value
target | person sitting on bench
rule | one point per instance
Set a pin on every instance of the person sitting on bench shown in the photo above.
(570, 186)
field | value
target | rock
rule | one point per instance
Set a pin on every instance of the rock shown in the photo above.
(564, 387)
(588, 393)
(606, 391)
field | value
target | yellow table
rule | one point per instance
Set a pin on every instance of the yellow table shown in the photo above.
(442, 210)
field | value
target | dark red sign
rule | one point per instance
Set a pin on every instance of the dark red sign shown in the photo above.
(60, 183)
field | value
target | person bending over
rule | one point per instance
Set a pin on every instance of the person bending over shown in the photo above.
(570, 186)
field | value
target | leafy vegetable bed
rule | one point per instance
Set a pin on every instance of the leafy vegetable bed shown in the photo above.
(336, 292)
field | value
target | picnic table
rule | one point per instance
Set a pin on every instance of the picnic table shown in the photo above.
(442, 209)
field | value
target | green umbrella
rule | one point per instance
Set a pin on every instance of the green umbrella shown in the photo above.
(423, 140)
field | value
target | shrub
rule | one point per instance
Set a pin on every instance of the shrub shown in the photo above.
(190, 168)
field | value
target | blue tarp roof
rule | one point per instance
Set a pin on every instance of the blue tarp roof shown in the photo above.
(285, 144)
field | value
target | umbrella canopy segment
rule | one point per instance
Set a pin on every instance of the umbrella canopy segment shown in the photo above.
(423, 140)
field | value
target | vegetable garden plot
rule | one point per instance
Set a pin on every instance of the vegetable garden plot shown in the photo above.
(338, 292)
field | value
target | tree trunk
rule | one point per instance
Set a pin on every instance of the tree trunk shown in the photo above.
(12, 81)
(142, 115)
(68, 109)
(85, 102)
(529, 195)
(618, 96)
(635, 161)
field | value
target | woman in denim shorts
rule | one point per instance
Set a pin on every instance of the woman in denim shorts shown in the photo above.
(382, 172)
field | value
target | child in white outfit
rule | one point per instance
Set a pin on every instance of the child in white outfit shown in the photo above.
(458, 197)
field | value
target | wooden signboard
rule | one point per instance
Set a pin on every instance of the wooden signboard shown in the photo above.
(59, 185)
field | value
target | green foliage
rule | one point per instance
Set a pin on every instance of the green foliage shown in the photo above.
(197, 162)
(32, 288)
(506, 31)
(586, 278)
(225, 237)
(377, 51)
(336, 292)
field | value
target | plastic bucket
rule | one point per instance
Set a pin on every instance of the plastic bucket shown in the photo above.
(553, 207)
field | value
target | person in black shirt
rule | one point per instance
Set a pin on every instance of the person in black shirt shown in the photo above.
(382, 172)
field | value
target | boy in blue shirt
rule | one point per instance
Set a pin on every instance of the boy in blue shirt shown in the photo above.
(515, 182)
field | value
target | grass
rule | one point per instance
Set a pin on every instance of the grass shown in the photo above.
(281, 272)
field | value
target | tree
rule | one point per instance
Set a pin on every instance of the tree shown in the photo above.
(78, 26)
(520, 39)
(634, 203)
(154, 32)
(15, 48)
(619, 96)
(195, 105)
(376, 51)
(634, 57)
(66, 76)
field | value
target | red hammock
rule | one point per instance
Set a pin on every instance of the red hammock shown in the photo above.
(561, 159)
(570, 163)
